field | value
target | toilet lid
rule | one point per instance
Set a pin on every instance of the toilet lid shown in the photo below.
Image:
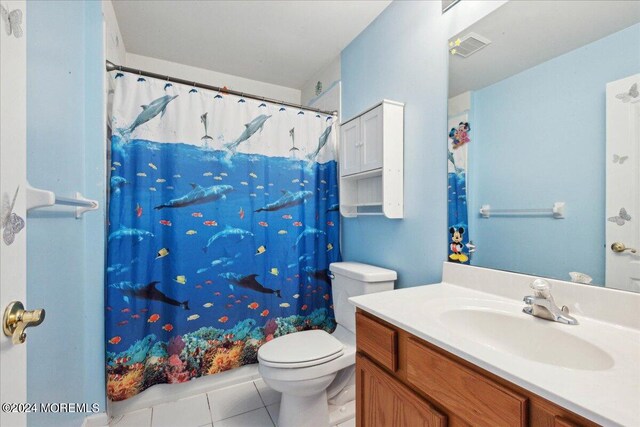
(300, 349)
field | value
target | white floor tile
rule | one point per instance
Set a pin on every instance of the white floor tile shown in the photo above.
(189, 412)
(268, 395)
(141, 418)
(274, 411)
(350, 423)
(231, 401)
(257, 418)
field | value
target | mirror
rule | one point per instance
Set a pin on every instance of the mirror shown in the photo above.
(544, 142)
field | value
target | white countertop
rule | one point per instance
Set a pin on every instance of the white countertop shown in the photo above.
(608, 395)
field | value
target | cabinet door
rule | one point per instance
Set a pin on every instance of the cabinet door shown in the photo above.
(350, 147)
(383, 401)
(371, 146)
(478, 400)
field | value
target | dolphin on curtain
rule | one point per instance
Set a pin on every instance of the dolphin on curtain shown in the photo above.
(287, 200)
(309, 231)
(228, 231)
(198, 196)
(322, 141)
(157, 106)
(248, 282)
(135, 233)
(249, 129)
(147, 292)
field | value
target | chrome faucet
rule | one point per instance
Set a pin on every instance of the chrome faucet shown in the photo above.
(541, 304)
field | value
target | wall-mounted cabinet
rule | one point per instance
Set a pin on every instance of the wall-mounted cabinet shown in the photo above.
(371, 162)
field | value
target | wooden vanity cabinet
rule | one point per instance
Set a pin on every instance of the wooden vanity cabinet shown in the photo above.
(384, 401)
(404, 381)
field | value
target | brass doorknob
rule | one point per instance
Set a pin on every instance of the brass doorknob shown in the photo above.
(16, 319)
(620, 247)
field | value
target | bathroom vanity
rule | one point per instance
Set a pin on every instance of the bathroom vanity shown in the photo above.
(449, 354)
(406, 381)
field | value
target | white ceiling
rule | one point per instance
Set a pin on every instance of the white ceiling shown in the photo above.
(278, 42)
(527, 33)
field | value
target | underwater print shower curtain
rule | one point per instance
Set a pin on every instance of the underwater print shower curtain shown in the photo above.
(223, 221)
(459, 243)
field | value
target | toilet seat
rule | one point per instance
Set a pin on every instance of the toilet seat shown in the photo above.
(301, 349)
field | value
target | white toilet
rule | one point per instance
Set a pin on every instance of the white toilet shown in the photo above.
(311, 368)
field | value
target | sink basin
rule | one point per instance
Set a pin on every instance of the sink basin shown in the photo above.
(527, 337)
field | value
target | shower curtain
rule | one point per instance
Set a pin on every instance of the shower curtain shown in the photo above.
(223, 220)
(457, 189)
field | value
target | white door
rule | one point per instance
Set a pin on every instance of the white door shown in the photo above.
(13, 59)
(623, 184)
(350, 143)
(371, 146)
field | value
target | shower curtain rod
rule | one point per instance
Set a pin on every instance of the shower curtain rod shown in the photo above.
(113, 67)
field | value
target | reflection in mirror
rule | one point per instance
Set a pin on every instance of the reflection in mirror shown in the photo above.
(544, 141)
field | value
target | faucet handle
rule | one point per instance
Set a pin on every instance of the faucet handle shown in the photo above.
(541, 288)
(540, 285)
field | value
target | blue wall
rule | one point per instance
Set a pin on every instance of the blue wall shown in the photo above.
(66, 153)
(540, 137)
(402, 56)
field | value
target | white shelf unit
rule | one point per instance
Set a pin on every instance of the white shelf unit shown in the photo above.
(371, 162)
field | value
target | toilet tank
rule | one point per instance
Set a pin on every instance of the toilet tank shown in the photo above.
(351, 279)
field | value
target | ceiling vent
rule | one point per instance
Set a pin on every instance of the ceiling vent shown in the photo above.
(468, 44)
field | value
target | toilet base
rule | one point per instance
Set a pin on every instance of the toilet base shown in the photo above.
(342, 413)
(304, 411)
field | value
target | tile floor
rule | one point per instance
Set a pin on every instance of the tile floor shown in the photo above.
(248, 404)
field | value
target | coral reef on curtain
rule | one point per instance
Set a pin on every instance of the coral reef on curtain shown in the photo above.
(205, 351)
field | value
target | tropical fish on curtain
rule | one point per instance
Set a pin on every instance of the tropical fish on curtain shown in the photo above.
(457, 193)
(222, 226)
